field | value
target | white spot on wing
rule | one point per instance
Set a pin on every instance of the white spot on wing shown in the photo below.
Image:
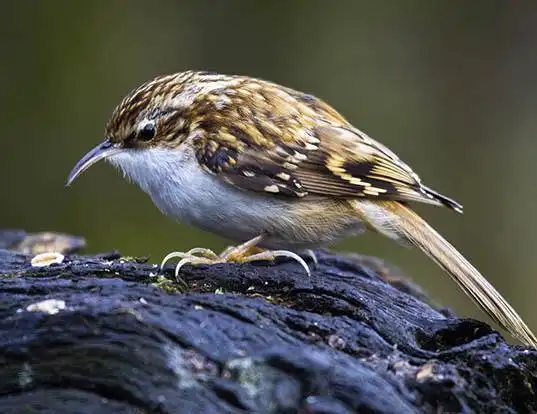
(289, 166)
(281, 151)
(272, 189)
(299, 156)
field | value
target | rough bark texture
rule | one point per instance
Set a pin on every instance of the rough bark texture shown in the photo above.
(120, 338)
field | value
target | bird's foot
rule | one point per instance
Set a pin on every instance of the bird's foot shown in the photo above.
(243, 253)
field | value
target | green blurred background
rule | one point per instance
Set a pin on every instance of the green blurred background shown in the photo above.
(451, 86)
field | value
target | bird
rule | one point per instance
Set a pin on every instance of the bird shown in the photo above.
(278, 171)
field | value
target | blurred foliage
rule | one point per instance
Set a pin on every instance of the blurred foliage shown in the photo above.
(448, 85)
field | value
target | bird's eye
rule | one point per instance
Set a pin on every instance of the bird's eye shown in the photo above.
(147, 133)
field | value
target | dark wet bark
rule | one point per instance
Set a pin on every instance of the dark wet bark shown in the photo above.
(354, 337)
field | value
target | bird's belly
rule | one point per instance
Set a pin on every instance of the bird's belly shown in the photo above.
(239, 216)
(180, 188)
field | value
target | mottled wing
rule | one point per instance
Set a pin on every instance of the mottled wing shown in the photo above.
(336, 161)
(279, 141)
(350, 163)
(260, 170)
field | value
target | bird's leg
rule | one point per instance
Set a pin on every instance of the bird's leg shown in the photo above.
(243, 253)
(249, 252)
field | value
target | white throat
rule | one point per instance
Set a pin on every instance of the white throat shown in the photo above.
(172, 177)
(151, 168)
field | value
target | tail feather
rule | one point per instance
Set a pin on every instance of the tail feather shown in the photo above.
(400, 222)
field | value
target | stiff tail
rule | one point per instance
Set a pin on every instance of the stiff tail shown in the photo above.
(397, 221)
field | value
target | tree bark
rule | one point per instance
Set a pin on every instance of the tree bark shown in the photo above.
(111, 334)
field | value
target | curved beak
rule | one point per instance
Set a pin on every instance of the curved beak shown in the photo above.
(103, 150)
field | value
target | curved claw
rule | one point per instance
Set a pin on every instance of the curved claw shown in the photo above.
(191, 260)
(239, 254)
(271, 255)
(173, 255)
(311, 254)
(206, 253)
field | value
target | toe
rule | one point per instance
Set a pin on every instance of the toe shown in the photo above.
(239, 255)
(192, 253)
(192, 260)
(273, 254)
(203, 252)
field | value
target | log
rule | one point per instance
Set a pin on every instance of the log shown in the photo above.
(112, 334)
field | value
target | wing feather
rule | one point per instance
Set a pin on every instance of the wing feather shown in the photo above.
(324, 160)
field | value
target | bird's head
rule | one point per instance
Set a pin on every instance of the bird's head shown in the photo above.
(159, 115)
